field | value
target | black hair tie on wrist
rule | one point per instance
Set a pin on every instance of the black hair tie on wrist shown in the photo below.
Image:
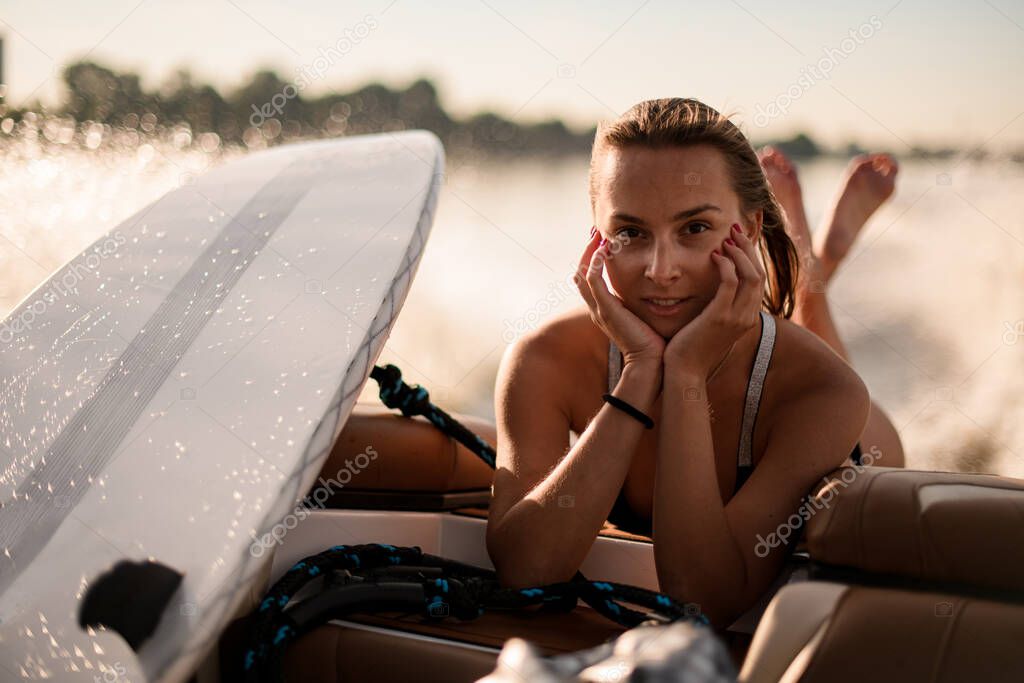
(625, 407)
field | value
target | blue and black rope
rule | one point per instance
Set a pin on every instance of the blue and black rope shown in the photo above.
(463, 591)
(415, 400)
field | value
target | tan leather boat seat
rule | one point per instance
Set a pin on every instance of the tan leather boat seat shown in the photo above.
(393, 647)
(401, 454)
(950, 528)
(817, 631)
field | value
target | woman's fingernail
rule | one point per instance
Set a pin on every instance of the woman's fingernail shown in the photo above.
(729, 241)
(593, 229)
(735, 227)
(602, 242)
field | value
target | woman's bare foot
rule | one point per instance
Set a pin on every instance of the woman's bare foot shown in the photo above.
(870, 180)
(781, 175)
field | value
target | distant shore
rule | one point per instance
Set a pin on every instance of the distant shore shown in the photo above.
(269, 110)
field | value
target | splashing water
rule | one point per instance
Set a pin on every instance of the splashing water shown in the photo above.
(929, 303)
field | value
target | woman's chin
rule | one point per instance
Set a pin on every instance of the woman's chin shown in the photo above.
(666, 326)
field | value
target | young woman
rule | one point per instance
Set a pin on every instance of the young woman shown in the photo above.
(720, 413)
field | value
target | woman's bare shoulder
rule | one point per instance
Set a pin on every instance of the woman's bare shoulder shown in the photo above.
(802, 363)
(563, 352)
(567, 337)
(812, 387)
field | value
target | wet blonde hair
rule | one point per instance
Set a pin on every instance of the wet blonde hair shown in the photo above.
(679, 122)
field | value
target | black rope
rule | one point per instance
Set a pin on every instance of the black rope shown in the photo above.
(378, 577)
(415, 400)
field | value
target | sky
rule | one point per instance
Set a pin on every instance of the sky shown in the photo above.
(886, 73)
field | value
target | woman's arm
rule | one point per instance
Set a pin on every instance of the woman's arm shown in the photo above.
(547, 504)
(709, 553)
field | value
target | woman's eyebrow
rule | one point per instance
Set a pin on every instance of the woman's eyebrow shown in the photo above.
(618, 215)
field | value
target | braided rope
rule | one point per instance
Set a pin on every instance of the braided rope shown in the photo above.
(465, 592)
(415, 400)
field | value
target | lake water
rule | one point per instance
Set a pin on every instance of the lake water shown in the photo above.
(930, 303)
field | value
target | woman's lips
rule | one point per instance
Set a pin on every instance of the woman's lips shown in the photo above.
(665, 310)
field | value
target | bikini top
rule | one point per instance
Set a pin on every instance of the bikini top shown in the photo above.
(622, 514)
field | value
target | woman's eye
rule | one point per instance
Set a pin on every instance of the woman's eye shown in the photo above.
(627, 232)
(689, 227)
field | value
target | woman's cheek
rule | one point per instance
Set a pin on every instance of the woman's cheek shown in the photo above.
(704, 263)
(611, 269)
(621, 270)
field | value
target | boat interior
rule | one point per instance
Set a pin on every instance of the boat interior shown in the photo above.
(900, 575)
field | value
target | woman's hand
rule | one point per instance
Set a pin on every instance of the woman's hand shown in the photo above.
(636, 339)
(702, 344)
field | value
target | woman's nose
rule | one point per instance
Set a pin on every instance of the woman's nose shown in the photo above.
(664, 265)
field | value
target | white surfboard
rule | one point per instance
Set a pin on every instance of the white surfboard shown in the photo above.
(172, 392)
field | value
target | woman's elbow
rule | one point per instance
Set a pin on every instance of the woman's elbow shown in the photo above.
(522, 570)
(519, 565)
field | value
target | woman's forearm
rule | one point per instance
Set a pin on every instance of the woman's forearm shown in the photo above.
(695, 554)
(545, 536)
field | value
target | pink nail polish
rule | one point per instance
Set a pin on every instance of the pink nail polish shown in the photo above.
(735, 227)
(729, 241)
(593, 229)
(602, 242)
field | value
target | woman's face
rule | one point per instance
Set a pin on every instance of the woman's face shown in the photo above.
(667, 209)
